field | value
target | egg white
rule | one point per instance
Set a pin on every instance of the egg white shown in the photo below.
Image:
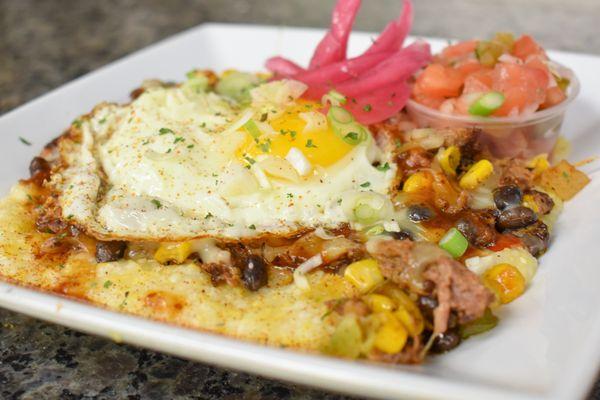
(165, 167)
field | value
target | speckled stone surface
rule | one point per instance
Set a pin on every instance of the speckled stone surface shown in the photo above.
(44, 44)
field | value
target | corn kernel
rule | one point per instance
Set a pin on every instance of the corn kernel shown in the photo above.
(364, 274)
(506, 281)
(391, 336)
(175, 252)
(406, 310)
(476, 175)
(417, 182)
(379, 302)
(413, 322)
(529, 202)
(449, 159)
(539, 164)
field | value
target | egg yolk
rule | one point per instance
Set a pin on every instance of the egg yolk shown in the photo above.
(320, 145)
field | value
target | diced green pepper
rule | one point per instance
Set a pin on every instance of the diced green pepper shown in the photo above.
(483, 324)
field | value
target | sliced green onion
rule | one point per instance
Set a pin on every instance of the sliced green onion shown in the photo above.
(353, 133)
(252, 128)
(480, 325)
(375, 230)
(454, 243)
(237, 85)
(365, 214)
(197, 81)
(334, 97)
(339, 115)
(343, 124)
(487, 104)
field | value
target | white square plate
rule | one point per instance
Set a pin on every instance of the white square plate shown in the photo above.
(546, 346)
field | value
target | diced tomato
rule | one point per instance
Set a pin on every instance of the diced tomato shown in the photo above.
(469, 66)
(505, 241)
(456, 77)
(429, 101)
(554, 96)
(537, 61)
(525, 46)
(480, 81)
(440, 81)
(524, 88)
(459, 50)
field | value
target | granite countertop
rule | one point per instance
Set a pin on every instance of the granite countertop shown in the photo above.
(45, 44)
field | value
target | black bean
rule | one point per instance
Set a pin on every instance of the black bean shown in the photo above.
(110, 251)
(402, 235)
(419, 213)
(445, 341)
(506, 196)
(478, 227)
(39, 165)
(535, 237)
(515, 218)
(427, 304)
(254, 273)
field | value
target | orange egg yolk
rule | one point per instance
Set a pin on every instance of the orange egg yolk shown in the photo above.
(321, 146)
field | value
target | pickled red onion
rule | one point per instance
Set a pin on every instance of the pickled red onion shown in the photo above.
(333, 46)
(376, 81)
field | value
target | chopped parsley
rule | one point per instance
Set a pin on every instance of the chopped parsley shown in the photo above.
(365, 185)
(309, 143)
(168, 151)
(250, 160)
(76, 123)
(383, 167)
(190, 146)
(253, 227)
(70, 216)
(339, 201)
(145, 142)
(264, 117)
(156, 203)
(24, 141)
(203, 125)
(29, 197)
(107, 284)
(290, 196)
(367, 108)
(293, 134)
(178, 139)
(103, 120)
(164, 131)
(207, 216)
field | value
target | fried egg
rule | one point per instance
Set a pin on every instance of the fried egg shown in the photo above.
(177, 163)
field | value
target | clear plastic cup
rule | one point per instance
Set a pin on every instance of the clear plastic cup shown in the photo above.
(520, 136)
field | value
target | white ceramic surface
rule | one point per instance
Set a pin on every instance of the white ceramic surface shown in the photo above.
(546, 346)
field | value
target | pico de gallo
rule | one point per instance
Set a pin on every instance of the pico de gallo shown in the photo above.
(500, 77)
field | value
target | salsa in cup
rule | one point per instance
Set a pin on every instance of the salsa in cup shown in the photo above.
(507, 87)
